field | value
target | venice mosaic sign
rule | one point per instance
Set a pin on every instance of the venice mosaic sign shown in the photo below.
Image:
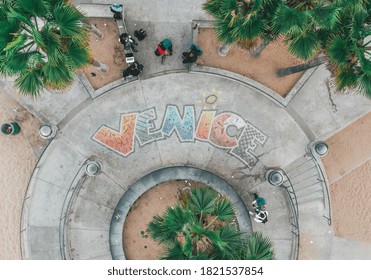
(223, 130)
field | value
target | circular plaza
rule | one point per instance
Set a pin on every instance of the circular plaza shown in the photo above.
(104, 146)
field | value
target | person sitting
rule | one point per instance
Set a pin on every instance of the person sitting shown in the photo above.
(128, 41)
(192, 55)
(259, 216)
(116, 8)
(117, 11)
(133, 70)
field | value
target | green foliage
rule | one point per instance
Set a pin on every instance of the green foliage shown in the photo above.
(201, 228)
(256, 247)
(201, 201)
(338, 28)
(42, 42)
(240, 20)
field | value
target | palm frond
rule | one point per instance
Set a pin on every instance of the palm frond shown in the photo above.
(8, 27)
(223, 31)
(57, 76)
(227, 240)
(52, 45)
(33, 7)
(346, 77)
(30, 82)
(256, 247)
(71, 23)
(248, 28)
(212, 7)
(159, 233)
(325, 16)
(288, 21)
(338, 50)
(175, 218)
(304, 44)
(174, 252)
(16, 44)
(76, 56)
(16, 63)
(364, 82)
(202, 200)
(224, 210)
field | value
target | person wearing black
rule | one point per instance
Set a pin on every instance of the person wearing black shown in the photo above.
(128, 41)
(191, 56)
(133, 70)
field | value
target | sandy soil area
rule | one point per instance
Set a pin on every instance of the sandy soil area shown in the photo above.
(108, 50)
(348, 166)
(351, 204)
(348, 148)
(262, 70)
(137, 244)
(19, 154)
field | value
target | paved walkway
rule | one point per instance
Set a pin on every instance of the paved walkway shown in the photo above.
(193, 119)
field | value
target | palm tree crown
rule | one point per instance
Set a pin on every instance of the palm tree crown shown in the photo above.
(42, 42)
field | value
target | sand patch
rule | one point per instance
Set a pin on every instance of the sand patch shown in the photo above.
(351, 204)
(137, 244)
(108, 51)
(348, 148)
(348, 167)
(18, 158)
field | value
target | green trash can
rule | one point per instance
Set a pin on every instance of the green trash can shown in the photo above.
(10, 128)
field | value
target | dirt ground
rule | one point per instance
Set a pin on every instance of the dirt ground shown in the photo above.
(138, 245)
(262, 69)
(348, 166)
(19, 154)
(108, 51)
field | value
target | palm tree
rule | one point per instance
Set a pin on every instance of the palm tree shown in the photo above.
(239, 21)
(344, 38)
(42, 43)
(202, 228)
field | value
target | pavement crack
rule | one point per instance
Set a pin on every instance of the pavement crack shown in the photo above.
(333, 105)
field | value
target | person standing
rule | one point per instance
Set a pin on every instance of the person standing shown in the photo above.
(260, 209)
(259, 203)
(164, 48)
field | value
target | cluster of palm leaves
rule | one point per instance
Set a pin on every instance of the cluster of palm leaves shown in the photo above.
(204, 226)
(340, 29)
(42, 42)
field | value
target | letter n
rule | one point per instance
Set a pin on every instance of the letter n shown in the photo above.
(185, 127)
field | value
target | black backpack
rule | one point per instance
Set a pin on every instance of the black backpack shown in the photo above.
(140, 34)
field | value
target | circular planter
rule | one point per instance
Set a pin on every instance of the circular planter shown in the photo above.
(162, 175)
(10, 128)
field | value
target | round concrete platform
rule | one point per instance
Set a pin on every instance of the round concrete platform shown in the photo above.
(144, 126)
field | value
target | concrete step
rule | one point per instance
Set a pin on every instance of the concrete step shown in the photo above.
(308, 191)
